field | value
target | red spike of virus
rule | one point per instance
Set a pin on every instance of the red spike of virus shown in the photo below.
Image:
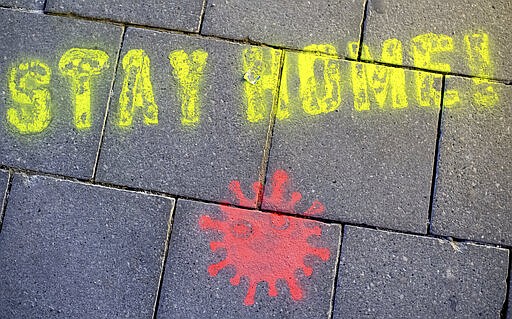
(263, 246)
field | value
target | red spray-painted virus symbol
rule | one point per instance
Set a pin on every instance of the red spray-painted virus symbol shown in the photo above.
(265, 246)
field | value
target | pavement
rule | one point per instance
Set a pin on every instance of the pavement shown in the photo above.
(255, 159)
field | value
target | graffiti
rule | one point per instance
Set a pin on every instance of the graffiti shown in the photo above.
(80, 65)
(261, 71)
(28, 83)
(265, 247)
(477, 48)
(189, 71)
(137, 91)
(381, 80)
(310, 83)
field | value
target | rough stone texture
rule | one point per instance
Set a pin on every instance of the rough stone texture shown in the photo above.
(175, 14)
(474, 182)
(292, 24)
(457, 18)
(61, 148)
(24, 4)
(369, 167)
(189, 291)
(197, 161)
(69, 250)
(389, 275)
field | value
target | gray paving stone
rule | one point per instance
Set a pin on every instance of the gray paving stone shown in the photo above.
(190, 291)
(196, 155)
(370, 167)
(69, 250)
(174, 14)
(474, 182)
(25, 4)
(292, 24)
(56, 145)
(456, 19)
(389, 275)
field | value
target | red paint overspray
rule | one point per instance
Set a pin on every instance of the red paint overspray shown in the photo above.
(263, 246)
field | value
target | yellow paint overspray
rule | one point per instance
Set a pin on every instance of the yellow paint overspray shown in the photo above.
(137, 90)
(479, 61)
(383, 81)
(28, 83)
(188, 69)
(319, 96)
(80, 66)
(261, 74)
(423, 49)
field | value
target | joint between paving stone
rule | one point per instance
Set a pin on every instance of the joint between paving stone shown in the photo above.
(105, 117)
(312, 218)
(270, 132)
(164, 259)
(201, 17)
(506, 303)
(6, 197)
(336, 271)
(361, 30)
(435, 165)
(248, 41)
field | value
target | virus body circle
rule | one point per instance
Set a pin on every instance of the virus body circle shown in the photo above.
(265, 246)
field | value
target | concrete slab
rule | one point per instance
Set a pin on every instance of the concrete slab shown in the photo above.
(68, 250)
(367, 166)
(390, 275)
(478, 55)
(23, 4)
(174, 14)
(474, 182)
(40, 129)
(257, 245)
(189, 137)
(291, 24)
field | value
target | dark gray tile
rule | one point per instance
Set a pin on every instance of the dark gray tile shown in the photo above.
(68, 250)
(38, 129)
(474, 182)
(292, 24)
(190, 153)
(23, 4)
(368, 166)
(418, 26)
(174, 14)
(389, 275)
(257, 246)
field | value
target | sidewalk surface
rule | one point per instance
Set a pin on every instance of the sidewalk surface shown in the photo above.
(255, 159)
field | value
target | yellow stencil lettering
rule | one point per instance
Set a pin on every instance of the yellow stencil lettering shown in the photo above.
(383, 81)
(423, 47)
(323, 97)
(137, 91)
(80, 65)
(189, 72)
(261, 72)
(477, 48)
(27, 84)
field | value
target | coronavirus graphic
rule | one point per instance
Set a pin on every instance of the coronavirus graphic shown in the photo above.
(265, 247)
